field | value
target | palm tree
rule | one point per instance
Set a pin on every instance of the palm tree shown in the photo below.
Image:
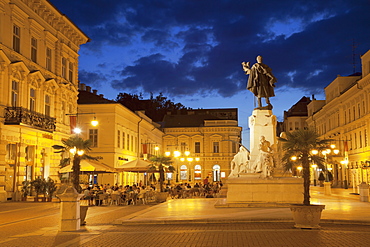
(161, 163)
(79, 149)
(299, 144)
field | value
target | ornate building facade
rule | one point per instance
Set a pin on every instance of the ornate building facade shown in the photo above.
(344, 116)
(202, 143)
(38, 87)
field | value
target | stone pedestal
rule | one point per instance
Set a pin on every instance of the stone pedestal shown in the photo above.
(3, 194)
(70, 210)
(261, 123)
(364, 192)
(327, 188)
(249, 191)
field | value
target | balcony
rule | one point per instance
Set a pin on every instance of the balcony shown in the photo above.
(22, 116)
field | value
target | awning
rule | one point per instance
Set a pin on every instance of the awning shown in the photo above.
(89, 166)
(135, 166)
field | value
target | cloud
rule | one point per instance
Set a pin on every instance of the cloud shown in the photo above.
(182, 47)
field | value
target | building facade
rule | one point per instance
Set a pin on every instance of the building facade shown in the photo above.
(122, 136)
(202, 143)
(38, 87)
(344, 117)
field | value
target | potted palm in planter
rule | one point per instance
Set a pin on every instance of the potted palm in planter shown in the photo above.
(39, 185)
(161, 163)
(50, 189)
(26, 189)
(300, 144)
(79, 148)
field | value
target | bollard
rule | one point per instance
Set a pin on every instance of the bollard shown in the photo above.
(364, 192)
(69, 210)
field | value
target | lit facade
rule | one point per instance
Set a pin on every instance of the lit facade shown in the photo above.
(344, 117)
(120, 137)
(211, 136)
(38, 87)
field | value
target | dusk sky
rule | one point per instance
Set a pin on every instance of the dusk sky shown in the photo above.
(191, 50)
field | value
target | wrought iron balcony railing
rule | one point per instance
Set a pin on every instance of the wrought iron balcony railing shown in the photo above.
(20, 115)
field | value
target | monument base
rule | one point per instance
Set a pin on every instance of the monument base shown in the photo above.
(251, 191)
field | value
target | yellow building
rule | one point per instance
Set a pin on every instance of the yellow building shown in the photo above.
(344, 116)
(121, 137)
(209, 137)
(38, 87)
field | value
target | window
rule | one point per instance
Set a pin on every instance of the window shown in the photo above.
(47, 105)
(70, 72)
(365, 137)
(34, 49)
(15, 91)
(93, 136)
(132, 143)
(234, 147)
(48, 58)
(182, 147)
(11, 152)
(183, 172)
(64, 68)
(32, 99)
(197, 172)
(216, 147)
(123, 140)
(197, 147)
(118, 138)
(16, 38)
(128, 142)
(360, 139)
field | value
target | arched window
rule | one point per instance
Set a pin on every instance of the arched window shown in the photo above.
(197, 172)
(183, 172)
(216, 173)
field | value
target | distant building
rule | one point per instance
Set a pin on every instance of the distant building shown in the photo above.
(122, 136)
(38, 87)
(344, 117)
(209, 137)
(295, 118)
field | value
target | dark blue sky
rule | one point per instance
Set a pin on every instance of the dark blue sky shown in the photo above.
(191, 50)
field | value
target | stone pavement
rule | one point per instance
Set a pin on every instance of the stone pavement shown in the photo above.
(196, 222)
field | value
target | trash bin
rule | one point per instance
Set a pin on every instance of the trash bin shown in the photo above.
(364, 192)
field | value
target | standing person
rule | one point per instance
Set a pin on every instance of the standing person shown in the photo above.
(205, 181)
(261, 81)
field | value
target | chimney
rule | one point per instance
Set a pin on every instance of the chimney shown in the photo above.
(101, 95)
(95, 91)
(82, 86)
(88, 89)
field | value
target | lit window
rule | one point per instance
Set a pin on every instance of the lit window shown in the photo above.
(47, 105)
(16, 38)
(48, 59)
(64, 68)
(34, 49)
(70, 72)
(216, 147)
(32, 99)
(15, 90)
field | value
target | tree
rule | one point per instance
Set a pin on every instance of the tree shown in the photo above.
(299, 144)
(155, 107)
(161, 163)
(79, 149)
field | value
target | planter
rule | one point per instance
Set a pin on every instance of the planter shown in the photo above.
(307, 217)
(161, 196)
(83, 213)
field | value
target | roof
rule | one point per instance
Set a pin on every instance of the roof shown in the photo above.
(299, 108)
(86, 97)
(187, 120)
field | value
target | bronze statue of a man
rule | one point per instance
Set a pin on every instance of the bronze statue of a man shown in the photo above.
(261, 81)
